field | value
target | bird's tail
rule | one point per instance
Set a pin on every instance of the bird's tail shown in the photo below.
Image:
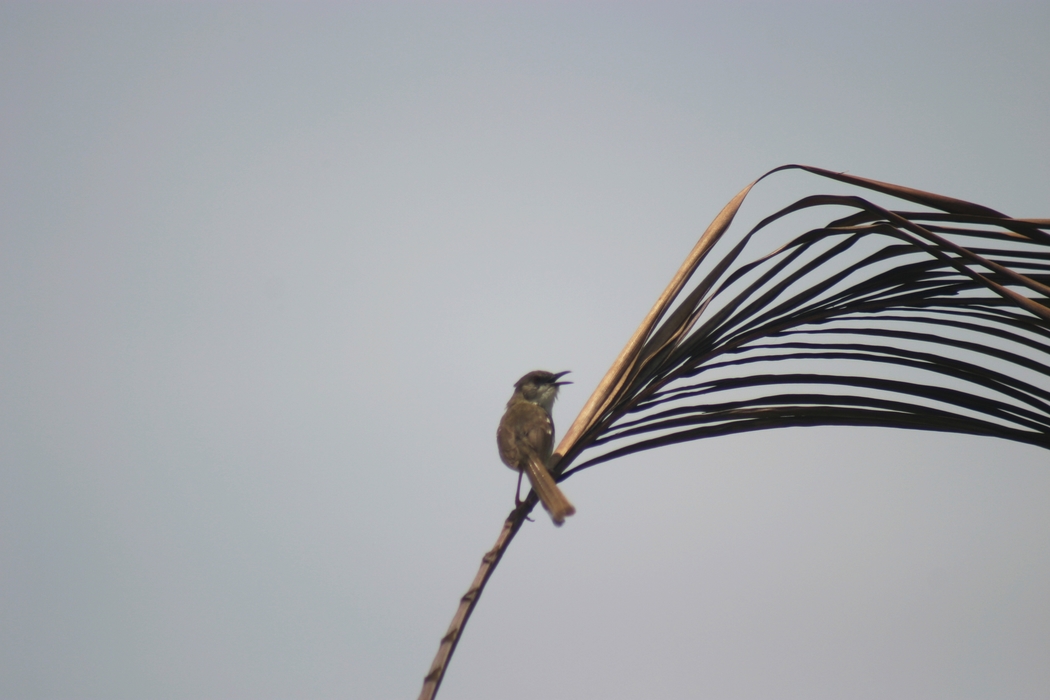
(550, 495)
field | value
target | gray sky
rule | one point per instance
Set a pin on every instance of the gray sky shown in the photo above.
(265, 272)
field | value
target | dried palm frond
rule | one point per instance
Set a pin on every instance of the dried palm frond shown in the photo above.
(936, 319)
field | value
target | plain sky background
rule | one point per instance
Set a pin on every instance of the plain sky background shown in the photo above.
(268, 273)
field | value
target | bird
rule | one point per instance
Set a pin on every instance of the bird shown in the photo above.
(525, 438)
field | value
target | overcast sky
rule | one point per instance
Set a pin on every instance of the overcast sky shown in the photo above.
(269, 271)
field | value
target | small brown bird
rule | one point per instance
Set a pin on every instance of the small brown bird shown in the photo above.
(526, 438)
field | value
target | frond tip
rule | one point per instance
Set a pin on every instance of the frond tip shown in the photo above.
(935, 319)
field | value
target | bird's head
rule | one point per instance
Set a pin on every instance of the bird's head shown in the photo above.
(540, 387)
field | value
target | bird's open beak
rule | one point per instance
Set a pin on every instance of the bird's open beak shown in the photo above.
(559, 375)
